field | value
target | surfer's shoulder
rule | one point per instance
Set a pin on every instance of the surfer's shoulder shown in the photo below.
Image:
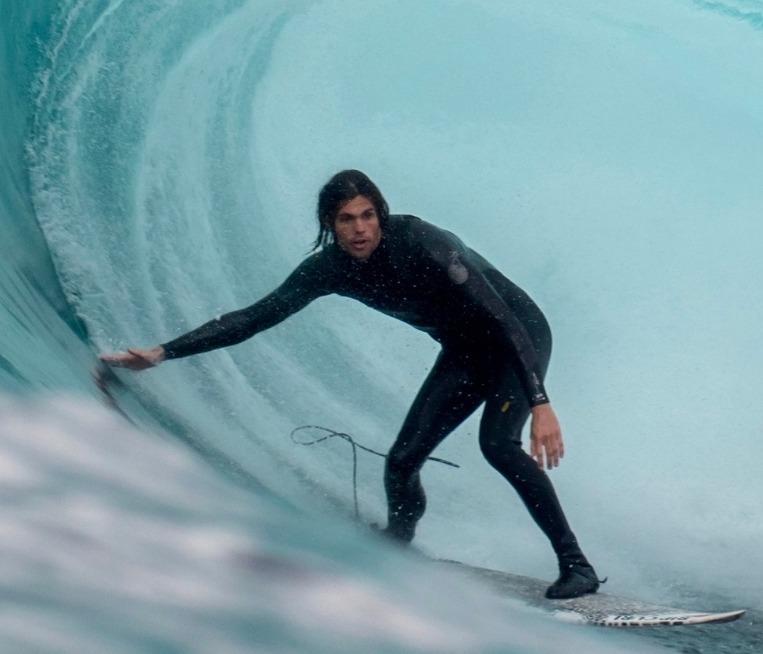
(320, 268)
(419, 232)
(406, 228)
(401, 222)
(319, 258)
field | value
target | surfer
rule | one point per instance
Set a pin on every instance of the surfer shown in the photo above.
(495, 342)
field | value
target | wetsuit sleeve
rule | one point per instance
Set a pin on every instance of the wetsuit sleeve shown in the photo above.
(449, 254)
(304, 285)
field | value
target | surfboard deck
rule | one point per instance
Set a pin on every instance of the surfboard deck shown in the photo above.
(600, 609)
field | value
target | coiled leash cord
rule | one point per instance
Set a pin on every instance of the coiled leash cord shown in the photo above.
(330, 433)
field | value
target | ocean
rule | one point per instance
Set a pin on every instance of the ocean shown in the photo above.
(161, 161)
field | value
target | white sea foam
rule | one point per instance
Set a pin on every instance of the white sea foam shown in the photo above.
(81, 543)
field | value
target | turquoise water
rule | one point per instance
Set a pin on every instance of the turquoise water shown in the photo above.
(161, 162)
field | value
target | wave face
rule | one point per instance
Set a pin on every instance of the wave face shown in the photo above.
(162, 162)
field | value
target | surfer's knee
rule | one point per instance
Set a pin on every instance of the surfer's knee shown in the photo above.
(500, 452)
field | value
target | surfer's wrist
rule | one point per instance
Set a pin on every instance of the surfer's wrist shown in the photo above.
(541, 408)
(158, 355)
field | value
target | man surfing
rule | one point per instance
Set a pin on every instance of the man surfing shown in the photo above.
(496, 346)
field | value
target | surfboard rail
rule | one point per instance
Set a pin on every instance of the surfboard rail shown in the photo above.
(649, 620)
(599, 609)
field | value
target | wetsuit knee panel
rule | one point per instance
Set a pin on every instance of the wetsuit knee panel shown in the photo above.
(498, 451)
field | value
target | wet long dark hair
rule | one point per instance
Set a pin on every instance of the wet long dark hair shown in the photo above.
(341, 188)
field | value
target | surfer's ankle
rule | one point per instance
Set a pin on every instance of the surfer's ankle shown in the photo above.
(575, 579)
(400, 534)
(571, 555)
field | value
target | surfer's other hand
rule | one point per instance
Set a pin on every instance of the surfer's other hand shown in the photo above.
(135, 359)
(546, 444)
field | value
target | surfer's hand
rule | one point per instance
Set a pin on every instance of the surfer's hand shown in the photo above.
(546, 437)
(135, 359)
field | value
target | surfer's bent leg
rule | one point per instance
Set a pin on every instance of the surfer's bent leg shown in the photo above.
(447, 397)
(506, 412)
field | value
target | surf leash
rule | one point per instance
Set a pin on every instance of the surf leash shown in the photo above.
(330, 433)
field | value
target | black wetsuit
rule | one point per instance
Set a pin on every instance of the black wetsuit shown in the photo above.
(496, 346)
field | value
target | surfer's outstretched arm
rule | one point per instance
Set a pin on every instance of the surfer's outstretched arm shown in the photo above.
(299, 289)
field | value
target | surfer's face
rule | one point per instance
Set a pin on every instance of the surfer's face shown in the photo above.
(357, 227)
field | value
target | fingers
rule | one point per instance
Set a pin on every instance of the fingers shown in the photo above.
(547, 446)
(147, 358)
(132, 359)
(547, 450)
(553, 450)
(139, 354)
(536, 451)
(118, 359)
(552, 454)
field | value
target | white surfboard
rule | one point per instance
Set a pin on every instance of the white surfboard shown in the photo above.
(597, 608)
